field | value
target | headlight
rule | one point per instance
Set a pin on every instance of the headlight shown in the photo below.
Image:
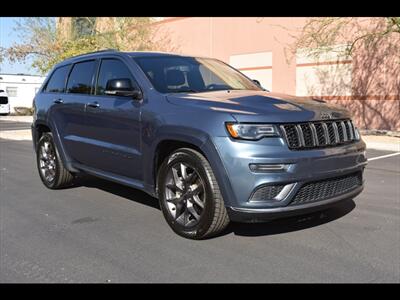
(251, 131)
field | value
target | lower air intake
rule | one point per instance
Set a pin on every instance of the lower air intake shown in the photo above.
(325, 189)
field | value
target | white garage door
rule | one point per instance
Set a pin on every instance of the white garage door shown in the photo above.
(328, 74)
(256, 66)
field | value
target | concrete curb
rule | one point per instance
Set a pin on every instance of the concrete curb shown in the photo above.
(22, 119)
(16, 135)
(383, 146)
(379, 142)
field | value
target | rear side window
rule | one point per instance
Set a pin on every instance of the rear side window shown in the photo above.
(80, 80)
(111, 69)
(56, 83)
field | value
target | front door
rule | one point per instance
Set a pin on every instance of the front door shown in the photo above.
(113, 125)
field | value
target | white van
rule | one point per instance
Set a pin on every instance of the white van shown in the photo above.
(4, 104)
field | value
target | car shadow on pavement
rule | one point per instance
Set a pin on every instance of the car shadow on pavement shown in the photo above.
(277, 226)
(118, 190)
(290, 224)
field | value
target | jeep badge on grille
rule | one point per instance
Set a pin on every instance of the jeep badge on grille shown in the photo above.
(326, 116)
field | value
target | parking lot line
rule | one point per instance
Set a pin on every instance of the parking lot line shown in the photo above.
(384, 156)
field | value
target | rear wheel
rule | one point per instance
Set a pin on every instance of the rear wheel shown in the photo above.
(189, 195)
(51, 168)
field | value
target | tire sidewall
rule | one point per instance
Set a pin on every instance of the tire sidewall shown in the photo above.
(48, 137)
(201, 228)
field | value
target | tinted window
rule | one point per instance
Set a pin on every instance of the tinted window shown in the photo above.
(3, 100)
(80, 79)
(175, 74)
(111, 69)
(56, 83)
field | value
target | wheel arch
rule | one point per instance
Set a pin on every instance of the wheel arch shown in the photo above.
(39, 128)
(200, 142)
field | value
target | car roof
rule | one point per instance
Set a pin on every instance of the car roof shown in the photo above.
(100, 53)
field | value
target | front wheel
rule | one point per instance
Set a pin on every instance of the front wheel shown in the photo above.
(189, 195)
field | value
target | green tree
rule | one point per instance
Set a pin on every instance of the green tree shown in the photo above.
(40, 38)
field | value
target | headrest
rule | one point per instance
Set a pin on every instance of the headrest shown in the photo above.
(175, 77)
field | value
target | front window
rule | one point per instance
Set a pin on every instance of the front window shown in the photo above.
(175, 74)
(80, 80)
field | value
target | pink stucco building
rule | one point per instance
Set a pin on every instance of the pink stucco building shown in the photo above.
(368, 83)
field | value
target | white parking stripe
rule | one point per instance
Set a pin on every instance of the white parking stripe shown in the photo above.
(384, 156)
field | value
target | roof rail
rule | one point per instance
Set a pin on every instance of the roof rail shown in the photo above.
(99, 51)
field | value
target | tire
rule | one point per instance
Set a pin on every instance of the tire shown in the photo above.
(58, 176)
(196, 197)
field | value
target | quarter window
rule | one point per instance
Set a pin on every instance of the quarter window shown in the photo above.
(81, 78)
(56, 83)
(111, 69)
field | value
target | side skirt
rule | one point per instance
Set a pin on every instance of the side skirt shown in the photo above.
(136, 184)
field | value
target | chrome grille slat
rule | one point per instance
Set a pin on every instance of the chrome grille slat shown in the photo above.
(318, 134)
(326, 133)
(314, 134)
(301, 136)
(345, 139)
(335, 129)
(351, 130)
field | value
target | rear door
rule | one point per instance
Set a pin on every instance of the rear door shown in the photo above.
(113, 125)
(69, 109)
(52, 97)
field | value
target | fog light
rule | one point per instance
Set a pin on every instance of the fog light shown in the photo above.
(271, 193)
(268, 167)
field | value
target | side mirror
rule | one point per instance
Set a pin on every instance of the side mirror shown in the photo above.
(259, 84)
(122, 87)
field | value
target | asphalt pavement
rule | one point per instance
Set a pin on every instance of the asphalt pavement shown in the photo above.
(104, 232)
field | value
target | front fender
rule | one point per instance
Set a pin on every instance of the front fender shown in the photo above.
(197, 138)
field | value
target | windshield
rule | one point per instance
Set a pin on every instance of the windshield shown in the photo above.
(175, 74)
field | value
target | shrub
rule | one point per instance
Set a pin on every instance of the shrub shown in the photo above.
(23, 111)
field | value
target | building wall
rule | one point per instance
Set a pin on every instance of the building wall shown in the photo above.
(24, 87)
(368, 83)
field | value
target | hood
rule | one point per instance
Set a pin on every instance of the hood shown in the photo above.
(261, 106)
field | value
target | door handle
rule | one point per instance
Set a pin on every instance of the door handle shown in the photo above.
(58, 101)
(94, 105)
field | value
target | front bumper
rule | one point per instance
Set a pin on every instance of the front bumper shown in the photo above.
(254, 215)
(305, 166)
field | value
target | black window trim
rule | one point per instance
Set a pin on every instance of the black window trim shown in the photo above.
(98, 72)
(96, 61)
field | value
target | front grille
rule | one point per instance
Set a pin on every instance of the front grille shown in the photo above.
(328, 188)
(318, 134)
(266, 192)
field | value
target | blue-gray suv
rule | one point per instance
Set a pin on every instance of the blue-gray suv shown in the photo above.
(211, 144)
